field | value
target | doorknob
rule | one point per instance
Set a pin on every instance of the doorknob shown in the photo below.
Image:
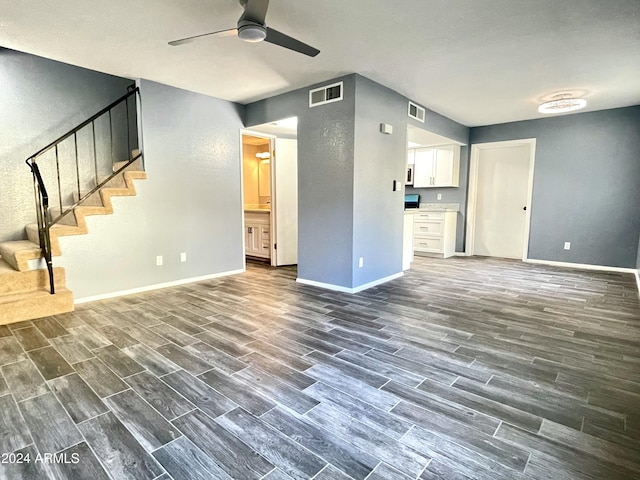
(524, 208)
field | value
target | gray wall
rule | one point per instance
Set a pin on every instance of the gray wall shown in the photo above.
(378, 211)
(638, 258)
(325, 179)
(346, 167)
(190, 203)
(586, 185)
(40, 100)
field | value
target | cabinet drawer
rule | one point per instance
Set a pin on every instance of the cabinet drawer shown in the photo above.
(427, 244)
(427, 227)
(265, 232)
(429, 216)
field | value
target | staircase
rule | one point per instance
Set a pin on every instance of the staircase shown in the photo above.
(30, 286)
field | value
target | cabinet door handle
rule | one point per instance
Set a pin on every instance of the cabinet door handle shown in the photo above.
(250, 229)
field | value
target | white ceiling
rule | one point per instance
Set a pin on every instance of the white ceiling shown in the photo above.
(478, 62)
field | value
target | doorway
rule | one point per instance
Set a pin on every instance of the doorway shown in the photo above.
(270, 192)
(500, 190)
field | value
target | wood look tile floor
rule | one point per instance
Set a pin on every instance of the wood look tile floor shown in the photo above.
(465, 368)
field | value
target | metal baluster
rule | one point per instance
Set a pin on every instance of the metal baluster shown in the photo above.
(58, 175)
(75, 140)
(126, 104)
(95, 155)
(111, 138)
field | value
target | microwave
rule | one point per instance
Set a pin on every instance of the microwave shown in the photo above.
(409, 179)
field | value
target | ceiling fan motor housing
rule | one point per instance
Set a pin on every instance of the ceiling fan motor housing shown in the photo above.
(251, 32)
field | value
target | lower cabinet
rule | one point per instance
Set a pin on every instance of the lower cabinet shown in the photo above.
(257, 235)
(434, 234)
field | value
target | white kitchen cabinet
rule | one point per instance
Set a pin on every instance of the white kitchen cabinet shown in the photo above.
(257, 235)
(434, 233)
(436, 167)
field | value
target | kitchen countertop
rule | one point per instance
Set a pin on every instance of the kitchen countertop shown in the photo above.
(435, 207)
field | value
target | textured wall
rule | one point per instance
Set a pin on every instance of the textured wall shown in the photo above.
(344, 179)
(40, 100)
(638, 257)
(378, 211)
(325, 179)
(587, 172)
(190, 203)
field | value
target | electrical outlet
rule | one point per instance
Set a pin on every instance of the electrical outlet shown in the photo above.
(159, 260)
(361, 262)
(183, 257)
(439, 196)
(567, 245)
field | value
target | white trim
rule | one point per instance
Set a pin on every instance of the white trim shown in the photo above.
(338, 288)
(473, 189)
(157, 286)
(271, 138)
(582, 266)
(637, 273)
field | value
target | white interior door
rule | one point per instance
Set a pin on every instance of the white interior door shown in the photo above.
(286, 201)
(502, 193)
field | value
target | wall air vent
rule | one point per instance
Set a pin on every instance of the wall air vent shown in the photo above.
(416, 112)
(327, 94)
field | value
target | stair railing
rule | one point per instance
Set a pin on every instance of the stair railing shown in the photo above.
(115, 144)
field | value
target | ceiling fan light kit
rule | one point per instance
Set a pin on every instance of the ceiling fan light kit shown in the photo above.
(562, 103)
(252, 33)
(252, 28)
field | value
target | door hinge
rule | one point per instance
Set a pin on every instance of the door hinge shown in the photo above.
(275, 246)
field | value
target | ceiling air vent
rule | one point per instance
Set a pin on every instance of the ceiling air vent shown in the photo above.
(416, 112)
(327, 94)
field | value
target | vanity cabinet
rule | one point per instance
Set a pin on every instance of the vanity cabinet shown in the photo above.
(436, 166)
(257, 235)
(434, 233)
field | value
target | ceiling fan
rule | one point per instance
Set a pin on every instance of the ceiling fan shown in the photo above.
(252, 28)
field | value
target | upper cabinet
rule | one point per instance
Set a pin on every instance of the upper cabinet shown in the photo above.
(436, 166)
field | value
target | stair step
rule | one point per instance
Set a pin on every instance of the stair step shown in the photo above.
(13, 281)
(68, 219)
(95, 199)
(34, 304)
(17, 253)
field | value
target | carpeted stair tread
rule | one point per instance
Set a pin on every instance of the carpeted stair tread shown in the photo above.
(13, 281)
(5, 267)
(34, 304)
(17, 253)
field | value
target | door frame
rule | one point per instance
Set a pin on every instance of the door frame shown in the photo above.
(273, 213)
(476, 148)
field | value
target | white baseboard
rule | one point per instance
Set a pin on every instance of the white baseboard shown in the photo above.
(157, 286)
(339, 288)
(638, 279)
(582, 266)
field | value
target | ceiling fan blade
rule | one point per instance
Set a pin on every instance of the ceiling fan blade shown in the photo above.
(254, 11)
(277, 38)
(221, 33)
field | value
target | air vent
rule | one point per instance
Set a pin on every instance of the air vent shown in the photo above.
(416, 112)
(327, 94)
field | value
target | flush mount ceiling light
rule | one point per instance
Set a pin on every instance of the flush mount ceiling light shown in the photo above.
(263, 155)
(562, 103)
